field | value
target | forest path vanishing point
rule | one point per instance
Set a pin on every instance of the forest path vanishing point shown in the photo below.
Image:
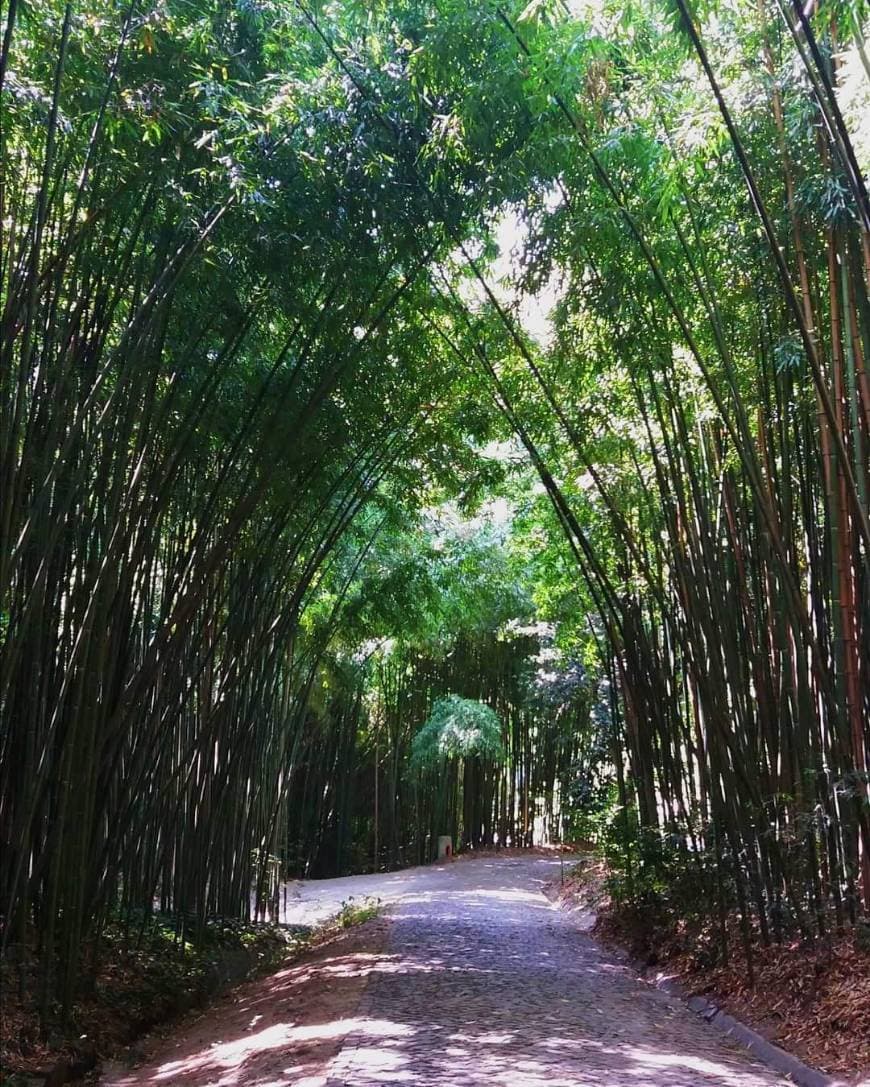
(474, 979)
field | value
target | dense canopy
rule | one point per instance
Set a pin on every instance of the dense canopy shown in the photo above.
(494, 366)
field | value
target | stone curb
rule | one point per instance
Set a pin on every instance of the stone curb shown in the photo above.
(778, 1059)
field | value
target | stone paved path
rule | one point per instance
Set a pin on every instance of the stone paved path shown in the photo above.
(487, 983)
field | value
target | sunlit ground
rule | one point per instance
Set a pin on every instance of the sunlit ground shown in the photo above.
(485, 984)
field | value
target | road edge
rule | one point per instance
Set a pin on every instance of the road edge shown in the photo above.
(339, 1067)
(780, 1060)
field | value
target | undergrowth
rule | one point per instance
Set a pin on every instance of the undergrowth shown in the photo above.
(356, 912)
(138, 977)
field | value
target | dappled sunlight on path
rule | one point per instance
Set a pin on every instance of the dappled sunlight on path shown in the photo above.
(279, 1030)
(476, 980)
(490, 984)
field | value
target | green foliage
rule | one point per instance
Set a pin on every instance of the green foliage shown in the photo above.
(283, 465)
(355, 912)
(457, 728)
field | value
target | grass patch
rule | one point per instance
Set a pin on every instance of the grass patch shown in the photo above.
(357, 911)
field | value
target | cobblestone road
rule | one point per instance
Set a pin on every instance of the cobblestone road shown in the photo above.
(486, 983)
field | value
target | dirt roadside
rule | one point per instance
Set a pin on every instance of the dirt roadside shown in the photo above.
(812, 1001)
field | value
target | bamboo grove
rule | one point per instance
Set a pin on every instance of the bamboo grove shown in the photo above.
(254, 344)
(364, 803)
(712, 460)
